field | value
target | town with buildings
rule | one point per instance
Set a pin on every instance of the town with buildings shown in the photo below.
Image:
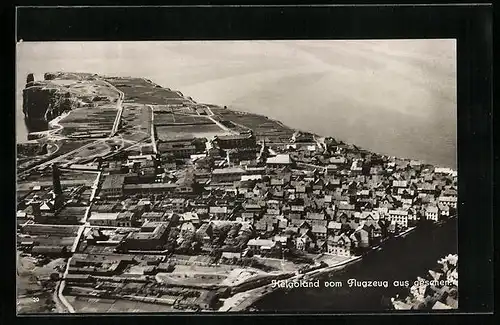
(136, 198)
(437, 290)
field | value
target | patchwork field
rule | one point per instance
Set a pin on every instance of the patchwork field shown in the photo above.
(261, 125)
(136, 122)
(84, 121)
(141, 91)
(170, 119)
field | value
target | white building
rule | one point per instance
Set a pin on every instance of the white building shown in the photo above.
(432, 213)
(103, 219)
(400, 217)
(450, 201)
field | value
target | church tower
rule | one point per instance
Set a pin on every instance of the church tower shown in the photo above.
(56, 180)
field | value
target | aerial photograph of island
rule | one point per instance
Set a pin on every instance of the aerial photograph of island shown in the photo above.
(236, 176)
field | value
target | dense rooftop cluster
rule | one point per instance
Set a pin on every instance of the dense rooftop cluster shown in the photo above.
(437, 290)
(305, 195)
(243, 198)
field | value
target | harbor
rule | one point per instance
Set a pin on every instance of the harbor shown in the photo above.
(399, 260)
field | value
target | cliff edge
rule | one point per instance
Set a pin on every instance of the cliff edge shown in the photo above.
(46, 99)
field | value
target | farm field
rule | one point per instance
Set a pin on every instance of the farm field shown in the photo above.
(162, 119)
(98, 305)
(139, 90)
(96, 149)
(89, 120)
(184, 131)
(261, 125)
(87, 88)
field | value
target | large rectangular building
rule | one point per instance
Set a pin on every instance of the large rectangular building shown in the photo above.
(146, 239)
(243, 140)
(145, 189)
(104, 219)
(112, 186)
(181, 148)
(227, 174)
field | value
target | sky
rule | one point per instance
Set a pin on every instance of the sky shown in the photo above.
(395, 97)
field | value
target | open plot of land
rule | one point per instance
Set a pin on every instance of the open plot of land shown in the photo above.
(134, 136)
(186, 110)
(35, 303)
(30, 154)
(136, 269)
(82, 176)
(39, 178)
(221, 274)
(89, 152)
(63, 147)
(68, 146)
(178, 102)
(191, 279)
(66, 184)
(28, 271)
(86, 121)
(35, 149)
(136, 122)
(32, 297)
(278, 264)
(98, 148)
(45, 178)
(126, 82)
(23, 192)
(86, 87)
(185, 131)
(163, 109)
(331, 259)
(131, 116)
(50, 240)
(189, 259)
(98, 305)
(179, 268)
(238, 276)
(141, 91)
(169, 119)
(261, 125)
(231, 125)
(62, 231)
(164, 118)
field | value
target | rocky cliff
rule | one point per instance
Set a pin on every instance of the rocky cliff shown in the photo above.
(43, 102)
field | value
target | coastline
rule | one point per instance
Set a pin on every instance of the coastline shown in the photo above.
(52, 123)
(244, 300)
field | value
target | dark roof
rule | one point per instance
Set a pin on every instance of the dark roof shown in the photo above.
(315, 216)
(48, 249)
(113, 181)
(149, 186)
(234, 137)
